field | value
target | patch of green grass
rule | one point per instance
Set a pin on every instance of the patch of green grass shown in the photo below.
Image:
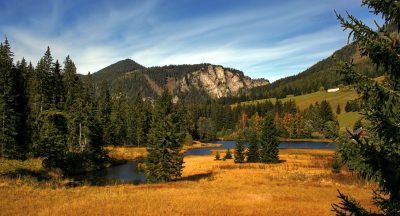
(347, 119)
(334, 98)
(10, 166)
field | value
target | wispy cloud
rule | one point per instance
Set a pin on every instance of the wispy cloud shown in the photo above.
(262, 38)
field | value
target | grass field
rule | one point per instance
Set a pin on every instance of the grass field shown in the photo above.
(334, 98)
(303, 184)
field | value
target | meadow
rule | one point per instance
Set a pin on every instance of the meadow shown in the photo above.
(302, 184)
(346, 119)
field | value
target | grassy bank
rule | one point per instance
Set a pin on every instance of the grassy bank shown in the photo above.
(306, 140)
(303, 184)
(200, 145)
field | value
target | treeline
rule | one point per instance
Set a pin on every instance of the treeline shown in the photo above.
(212, 120)
(49, 111)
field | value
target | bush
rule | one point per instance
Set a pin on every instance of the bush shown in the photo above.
(317, 135)
(228, 155)
(336, 165)
(217, 156)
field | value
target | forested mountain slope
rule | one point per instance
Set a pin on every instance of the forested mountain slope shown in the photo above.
(188, 82)
(322, 74)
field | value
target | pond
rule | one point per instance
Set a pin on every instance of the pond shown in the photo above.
(129, 173)
(119, 174)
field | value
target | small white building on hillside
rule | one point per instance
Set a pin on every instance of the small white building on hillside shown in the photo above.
(333, 90)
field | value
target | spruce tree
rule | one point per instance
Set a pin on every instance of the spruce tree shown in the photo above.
(228, 154)
(11, 146)
(119, 119)
(347, 108)
(253, 154)
(52, 143)
(217, 156)
(138, 122)
(22, 72)
(74, 105)
(104, 109)
(58, 88)
(269, 142)
(40, 89)
(376, 156)
(239, 151)
(326, 113)
(165, 140)
(338, 110)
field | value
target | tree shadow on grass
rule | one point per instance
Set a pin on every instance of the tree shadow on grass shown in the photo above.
(281, 161)
(39, 175)
(197, 177)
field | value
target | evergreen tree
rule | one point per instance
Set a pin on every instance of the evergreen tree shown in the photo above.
(52, 143)
(228, 155)
(269, 142)
(253, 155)
(93, 125)
(40, 89)
(217, 156)
(70, 83)
(58, 87)
(338, 110)
(45, 81)
(23, 72)
(119, 120)
(239, 151)
(11, 146)
(347, 108)
(326, 113)
(376, 156)
(74, 105)
(104, 112)
(165, 140)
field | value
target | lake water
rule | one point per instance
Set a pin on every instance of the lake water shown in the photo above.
(129, 173)
(119, 174)
(295, 145)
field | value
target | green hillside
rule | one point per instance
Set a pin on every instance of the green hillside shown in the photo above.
(322, 74)
(111, 72)
(334, 98)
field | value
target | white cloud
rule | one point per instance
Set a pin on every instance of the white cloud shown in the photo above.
(263, 42)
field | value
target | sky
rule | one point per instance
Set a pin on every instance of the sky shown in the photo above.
(264, 38)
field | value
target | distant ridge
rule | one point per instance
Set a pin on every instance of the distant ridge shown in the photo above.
(110, 72)
(187, 82)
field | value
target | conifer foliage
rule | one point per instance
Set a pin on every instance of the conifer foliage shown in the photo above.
(269, 141)
(10, 108)
(239, 151)
(165, 140)
(376, 156)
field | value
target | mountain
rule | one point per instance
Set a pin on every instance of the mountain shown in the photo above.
(188, 82)
(322, 74)
(108, 73)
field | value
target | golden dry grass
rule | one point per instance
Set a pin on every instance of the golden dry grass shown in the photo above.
(199, 145)
(302, 185)
(126, 153)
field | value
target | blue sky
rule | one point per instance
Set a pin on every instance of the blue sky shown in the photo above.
(265, 39)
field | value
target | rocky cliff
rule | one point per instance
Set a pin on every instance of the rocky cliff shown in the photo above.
(218, 82)
(191, 82)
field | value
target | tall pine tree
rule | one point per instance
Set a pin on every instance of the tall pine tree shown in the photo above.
(376, 156)
(239, 150)
(165, 140)
(269, 142)
(10, 107)
(253, 154)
